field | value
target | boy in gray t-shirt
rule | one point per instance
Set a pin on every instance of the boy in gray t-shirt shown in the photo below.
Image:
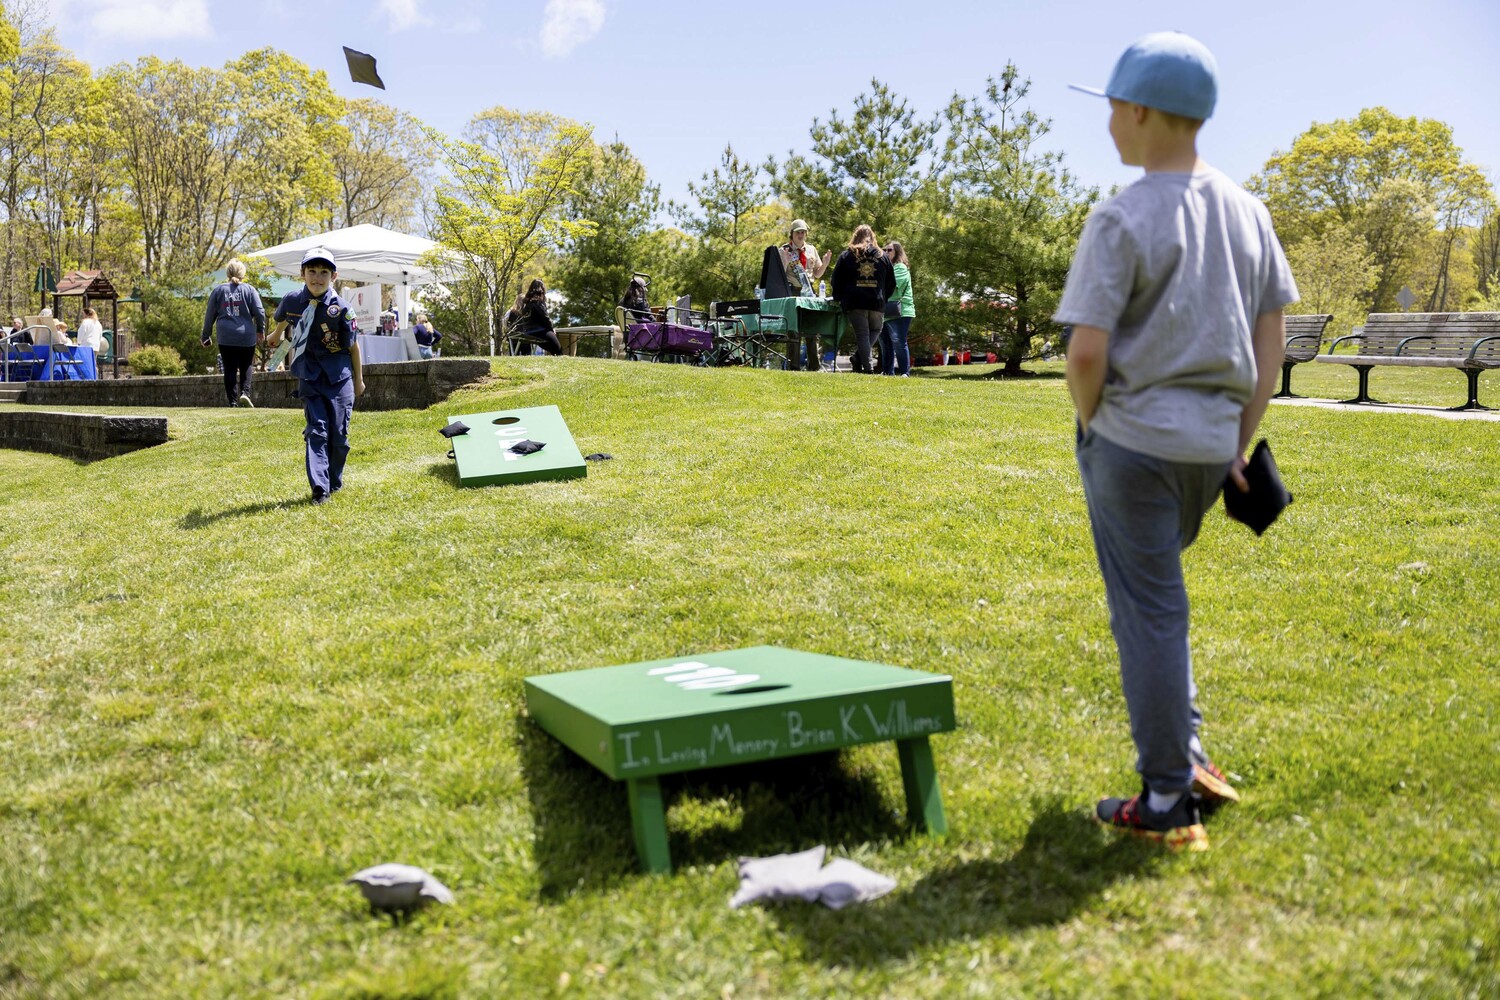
(1175, 297)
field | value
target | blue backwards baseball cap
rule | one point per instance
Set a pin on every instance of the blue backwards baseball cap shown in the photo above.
(1167, 70)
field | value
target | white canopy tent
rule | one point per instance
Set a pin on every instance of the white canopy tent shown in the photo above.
(365, 253)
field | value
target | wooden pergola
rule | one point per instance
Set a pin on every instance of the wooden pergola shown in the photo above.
(90, 285)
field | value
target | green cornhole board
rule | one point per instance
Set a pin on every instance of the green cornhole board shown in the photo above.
(484, 456)
(642, 720)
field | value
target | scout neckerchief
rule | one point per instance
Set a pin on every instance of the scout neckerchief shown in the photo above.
(303, 328)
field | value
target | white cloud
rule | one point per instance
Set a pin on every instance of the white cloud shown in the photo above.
(142, 19)
(569, 24)
(403, 14)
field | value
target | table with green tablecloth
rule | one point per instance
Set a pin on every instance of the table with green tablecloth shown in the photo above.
(820, 317)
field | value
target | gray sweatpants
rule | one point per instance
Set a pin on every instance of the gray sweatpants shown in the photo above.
(1144, 511)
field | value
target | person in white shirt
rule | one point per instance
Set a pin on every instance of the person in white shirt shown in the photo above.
(91, 332)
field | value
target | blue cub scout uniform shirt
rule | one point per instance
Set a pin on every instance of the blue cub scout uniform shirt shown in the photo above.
(327, 353)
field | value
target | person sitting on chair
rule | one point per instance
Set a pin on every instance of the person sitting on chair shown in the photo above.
(18, 334)
(512, 316)
(535, 324)
(637, 309)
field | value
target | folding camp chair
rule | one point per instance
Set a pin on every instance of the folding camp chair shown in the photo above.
(21, 363)
(743, 342)
(516, 338)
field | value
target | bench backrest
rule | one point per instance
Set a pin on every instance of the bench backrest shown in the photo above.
(1452, 335)
(1309, 330)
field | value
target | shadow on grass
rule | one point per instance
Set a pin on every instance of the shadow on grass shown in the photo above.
(582, 818)
(446, 470)
(197, 518)
(1063, 863)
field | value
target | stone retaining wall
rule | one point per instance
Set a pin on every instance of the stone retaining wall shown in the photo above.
(395, 385)
(88, 436)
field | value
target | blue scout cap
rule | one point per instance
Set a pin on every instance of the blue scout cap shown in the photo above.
(1169, 71)
(319, 253)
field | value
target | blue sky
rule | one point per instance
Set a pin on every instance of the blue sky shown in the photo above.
(676, 79)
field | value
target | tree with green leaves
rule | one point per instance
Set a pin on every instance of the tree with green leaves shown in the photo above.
(382, 161)
(731, 223)
(614, 193)
(500, 208)
(58, 189)
(288, 119)
(1390, 179)
(865, 169)
(1486, 254)
(180, 157)
(998, 225)
(10, 48)
(1334, 271)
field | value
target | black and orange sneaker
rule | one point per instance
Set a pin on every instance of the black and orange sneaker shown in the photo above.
(1179, 828)
(1211, 785)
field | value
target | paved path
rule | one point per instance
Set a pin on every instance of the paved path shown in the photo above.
(1426, 411)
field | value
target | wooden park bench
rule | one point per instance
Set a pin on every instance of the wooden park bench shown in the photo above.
(1469, 342)
(1304, 339)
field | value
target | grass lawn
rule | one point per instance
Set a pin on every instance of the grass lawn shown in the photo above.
(217, 701)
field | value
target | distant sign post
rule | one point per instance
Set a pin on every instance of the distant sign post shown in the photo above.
(1405, 298)
(642, 720)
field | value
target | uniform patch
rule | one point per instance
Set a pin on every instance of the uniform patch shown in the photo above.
(332, 310)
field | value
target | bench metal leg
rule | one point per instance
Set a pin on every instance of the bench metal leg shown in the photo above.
(1364, 386)
(1286, 382)
(924, 800)
(1473, 403)
(648, 819)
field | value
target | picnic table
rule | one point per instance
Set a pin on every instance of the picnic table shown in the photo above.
(821, 317)
(50, 363)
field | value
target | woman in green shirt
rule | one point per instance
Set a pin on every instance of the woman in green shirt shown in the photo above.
(895, 359)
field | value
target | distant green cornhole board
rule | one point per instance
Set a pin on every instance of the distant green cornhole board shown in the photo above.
(642, 720)
(485, 459)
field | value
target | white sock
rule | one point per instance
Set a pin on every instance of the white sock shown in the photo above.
(1160, 803)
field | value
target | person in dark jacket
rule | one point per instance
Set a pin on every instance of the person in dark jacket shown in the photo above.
(862, 281)
(535, 322)
(426, 335)
(637, 308)
(237, 319)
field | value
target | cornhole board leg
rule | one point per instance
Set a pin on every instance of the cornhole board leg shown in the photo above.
(648, 818)
(924, 800)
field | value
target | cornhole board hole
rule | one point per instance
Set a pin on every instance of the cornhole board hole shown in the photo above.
(639, 721)
(485, 459)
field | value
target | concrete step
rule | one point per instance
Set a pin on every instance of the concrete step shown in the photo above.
(12, 394)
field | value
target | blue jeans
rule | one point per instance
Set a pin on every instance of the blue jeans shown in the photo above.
(893, 350)
(1144, 511)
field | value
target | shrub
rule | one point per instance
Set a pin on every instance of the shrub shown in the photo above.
(156, 359)
(171, 318)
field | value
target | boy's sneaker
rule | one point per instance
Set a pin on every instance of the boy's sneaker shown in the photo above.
(1210, 784)
(1179, 828)
(245, 401)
